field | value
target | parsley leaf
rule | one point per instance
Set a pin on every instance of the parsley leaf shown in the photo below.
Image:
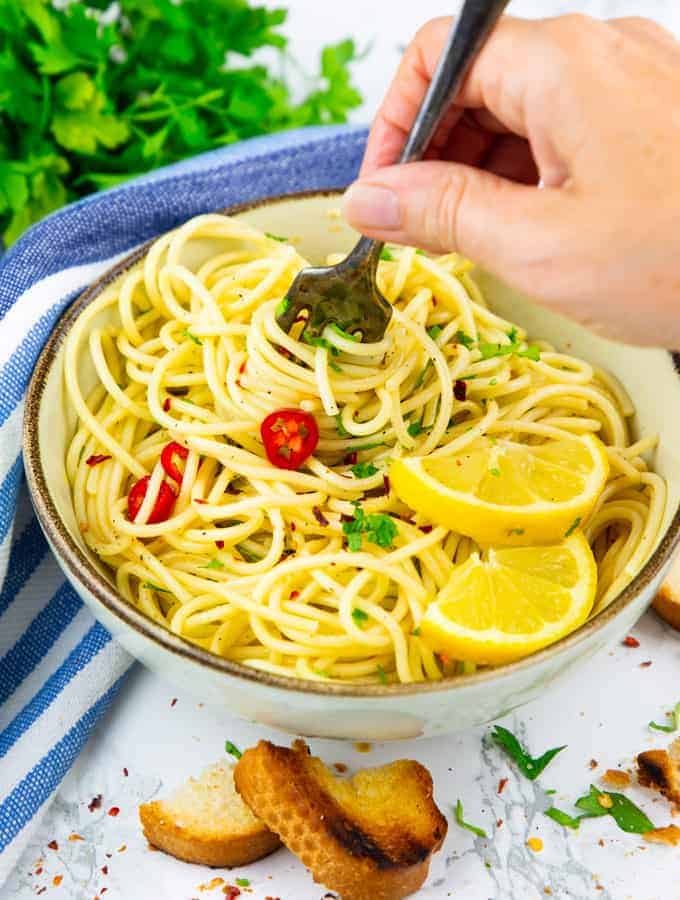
(276, 237)
(562, 818)
(378, 528)
(529, 766)
(489, 351)
(464, 339)
(283, 306)
(415, 428)
(149, 585)
(359, 616)
(572, 528)
(434, 331)
(192, 337)
(386, 255)
(215, 564)
(342, 431)
(247, 554)
(625, 813)
(463, 824)
(320, 342)
(364, 470)
(675, 722)
(232, 750)
(421, 377)
(342, 333)
(243, 882)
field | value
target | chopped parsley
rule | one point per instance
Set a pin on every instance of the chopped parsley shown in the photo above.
(385, 255)
(516, 531)
(232, 750)
(416, 631)
(415, 428)
(334, 366)
(381, 674)
(276, 237)
(215, 564)
(572, 528)
(434, 331)
(464, 339)
(496, 472)
(359, 616)
(626, 814)
(192, 337)
(342, 333)
(342, 431)
(529, 766)
(562, 818)
(489, 351)
(155, 587)
(283, 306)
(378, 528)
(512, 334)
(364, 470)
(320, 342)
(421, 377)
(463, 824)
(420, 252)
(247, 554)
(245, 882)
(675, 722)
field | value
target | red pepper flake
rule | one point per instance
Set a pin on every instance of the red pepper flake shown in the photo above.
(499, 823)
(460, 390)
(173, 702)
(386, 483)
(351, 458)
(53, 845)
(593, 764)
(242, 367)
(57, 880)
(114, 811)
(219, 545)
(340, 767)
(294, 595)
(105, 870)
(319, 516)
(630, 641)
(103, 890)
(41, 891)
(95, 803)
(167, 403)
(293, 526)
(445, 658)
(96, 458)
(426, 529)
(501, 785)
(646, 664)
(231, 892)
(38, 871)
(75, 837)
(125, 771)
(199, 501)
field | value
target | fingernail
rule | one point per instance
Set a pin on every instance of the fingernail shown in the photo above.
(369, 206)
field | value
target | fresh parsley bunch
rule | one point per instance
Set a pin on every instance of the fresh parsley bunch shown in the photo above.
(89, 99)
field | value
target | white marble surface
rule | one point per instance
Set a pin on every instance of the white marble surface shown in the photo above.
(601, 712)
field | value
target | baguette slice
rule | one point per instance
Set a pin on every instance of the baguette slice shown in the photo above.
(368, 838)
(660, 770)
(667, 601)
(205, 821)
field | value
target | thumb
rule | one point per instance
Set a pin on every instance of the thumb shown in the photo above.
(440, 206)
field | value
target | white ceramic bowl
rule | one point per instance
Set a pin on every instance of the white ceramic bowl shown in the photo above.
(335, 710)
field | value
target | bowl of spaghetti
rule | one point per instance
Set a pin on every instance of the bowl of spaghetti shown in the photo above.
(340, 538)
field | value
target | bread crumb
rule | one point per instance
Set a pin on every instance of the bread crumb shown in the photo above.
(535, 844)
(616, 778)
(668, 835)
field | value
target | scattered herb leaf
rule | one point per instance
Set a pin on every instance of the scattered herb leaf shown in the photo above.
(572, 528)
(192, 337)
(215, 564)
(364, 470)
(378, 528)
(675, 722)
(463, 824)
(276, 237)
(359, 616)
(385, 255)
(626, 814)
(155, 587)
(342, 333)
(232, 750)
(528, 765)
(465, 339)
(563, 818)
(434, 331)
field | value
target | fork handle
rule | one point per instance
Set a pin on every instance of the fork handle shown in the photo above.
(469, 32)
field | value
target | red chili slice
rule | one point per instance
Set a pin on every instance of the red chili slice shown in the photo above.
(290, 436)
(167, 460)
(161, 508)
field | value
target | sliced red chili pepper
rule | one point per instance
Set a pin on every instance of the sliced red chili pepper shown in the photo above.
(167, 460)
(167, 403)
(290, 436)
(96, 458)
(460, 390)
(161, 508)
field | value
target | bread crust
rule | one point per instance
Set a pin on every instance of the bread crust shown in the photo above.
(370, 838)
(660, 770)
(667, 601)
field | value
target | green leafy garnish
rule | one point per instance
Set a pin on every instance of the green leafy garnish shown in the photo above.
(283, 306)
(415, 428)
(334, 366)
(342, 431)
(155, 587)
(320, 342)
(516, 531)
(420, 252)
(563, 818)
(243, 882)
(359, 616)
(247, 554)
(385, 255)
(465, 339)
(434, 331)
(496, 472)
(416, 631)
(512, 334)
(232, 750)
(378, 528)
(215, 564)
(192, 337)
(421, 376)
(89, 100)
(626, 814)
(364, 470)
(489, 351)
(572, 528)
(276, 237)
(343, 334)
(528, 765)
(381, 674)
(463, 824)
(675, 722)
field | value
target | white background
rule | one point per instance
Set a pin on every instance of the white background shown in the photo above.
(600, 713)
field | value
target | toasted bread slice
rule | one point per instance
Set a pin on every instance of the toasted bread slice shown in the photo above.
(205, 821)
(368, 838)
(667, 600)
(660, 770)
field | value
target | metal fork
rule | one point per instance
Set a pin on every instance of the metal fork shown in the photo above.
(347, 294)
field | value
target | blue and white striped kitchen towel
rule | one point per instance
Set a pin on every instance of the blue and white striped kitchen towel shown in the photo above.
(59, 669)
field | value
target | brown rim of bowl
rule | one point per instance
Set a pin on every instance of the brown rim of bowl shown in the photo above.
(80, 568)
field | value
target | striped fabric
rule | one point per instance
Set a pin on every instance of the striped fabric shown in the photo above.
(59, 669)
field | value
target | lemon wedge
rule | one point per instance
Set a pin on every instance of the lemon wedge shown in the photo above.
(510, 602)
(506, 493)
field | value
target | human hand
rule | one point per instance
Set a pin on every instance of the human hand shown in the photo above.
(590, 107)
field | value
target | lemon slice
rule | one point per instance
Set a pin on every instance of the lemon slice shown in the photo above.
(512, 601)
(503, 492)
